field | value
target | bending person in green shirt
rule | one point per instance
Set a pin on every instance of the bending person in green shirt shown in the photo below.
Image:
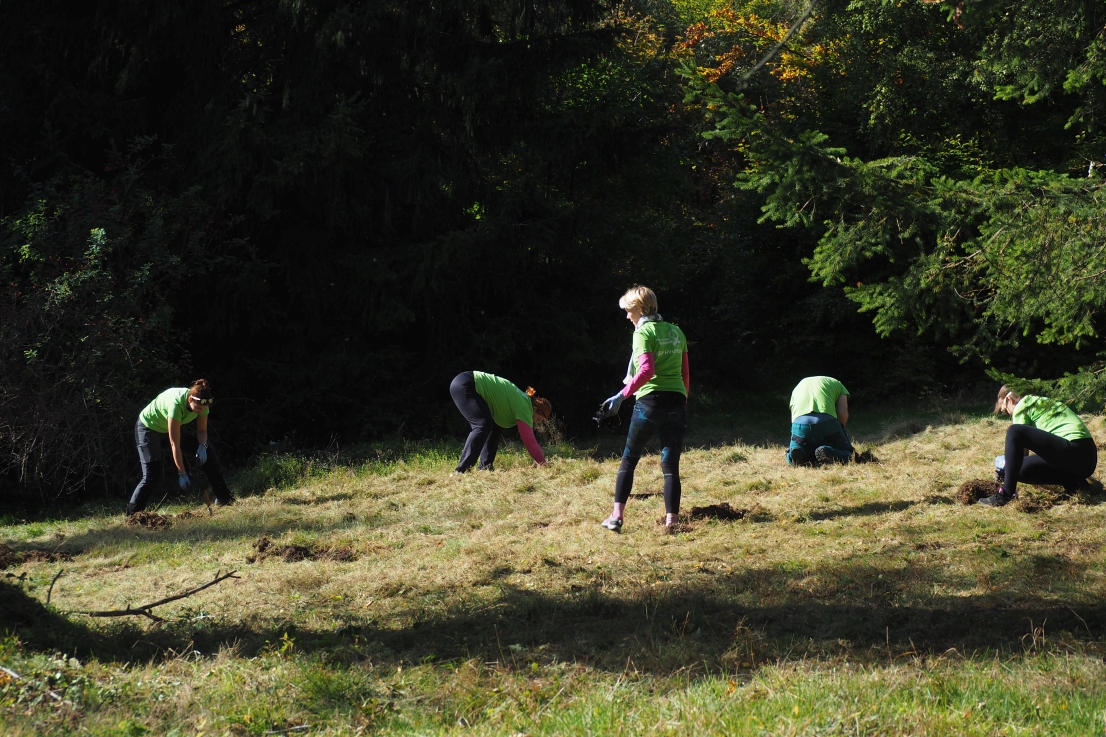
(1066, 452)
(819, 411)
(491, 403)
(162, 419)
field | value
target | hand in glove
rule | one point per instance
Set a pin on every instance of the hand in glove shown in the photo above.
(184, 481)
(610, 406)
(201, 453)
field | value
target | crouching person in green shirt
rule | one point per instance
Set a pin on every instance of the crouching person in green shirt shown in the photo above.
(162, 419)
(819, 411)
(1065, 451)
(491, 403)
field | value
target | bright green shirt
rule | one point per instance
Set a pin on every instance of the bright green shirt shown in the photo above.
(668, 345)
(170, 403)
(507, 402)
(1051, 416)
(816, 394)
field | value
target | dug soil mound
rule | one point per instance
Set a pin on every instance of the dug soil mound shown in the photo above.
(291, 553)
(191, 514)
(149, 520)
(9, 557)
(721, 511)
(972, 491)
(864, 457)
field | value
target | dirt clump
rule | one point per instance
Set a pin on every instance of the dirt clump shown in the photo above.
(975, 489)
(864, 457)
(9, 557)
(266, 548)
(191, 514)
(721, 511)
(149, 520)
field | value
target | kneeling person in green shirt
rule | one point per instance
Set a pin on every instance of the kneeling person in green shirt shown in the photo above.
(819, 411)
(491, 403)
(162, 419)
(1066, 453)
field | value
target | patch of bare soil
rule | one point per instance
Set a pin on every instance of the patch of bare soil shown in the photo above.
(291, 553)
(972, 491)
(191, 514)
(864, 457)
(149, 520)
(721, 511)
(9, 557)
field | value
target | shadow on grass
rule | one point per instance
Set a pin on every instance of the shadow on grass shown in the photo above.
(204, 529)
(873, 508)
(718, 620)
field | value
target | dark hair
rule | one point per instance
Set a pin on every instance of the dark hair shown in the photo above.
(1004, 392)
(200, 389)
(542, 408)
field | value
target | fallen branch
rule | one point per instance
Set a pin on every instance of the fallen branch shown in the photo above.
(50, 591)
(144, 610)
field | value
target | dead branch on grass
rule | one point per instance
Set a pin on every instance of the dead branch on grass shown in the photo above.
(144, 610)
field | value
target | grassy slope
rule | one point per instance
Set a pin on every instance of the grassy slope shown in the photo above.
(855, 600)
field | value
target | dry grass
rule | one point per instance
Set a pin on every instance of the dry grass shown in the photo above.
(453, 591)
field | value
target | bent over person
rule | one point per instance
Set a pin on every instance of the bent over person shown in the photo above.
(658, 378)
(491, 403)
(1066, 453)
(819, 411)
(161, 420)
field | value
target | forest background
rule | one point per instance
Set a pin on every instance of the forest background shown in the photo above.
(329, 209)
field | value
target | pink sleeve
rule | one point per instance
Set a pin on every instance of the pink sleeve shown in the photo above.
(645, 371)
(530, 442)
(687, 375)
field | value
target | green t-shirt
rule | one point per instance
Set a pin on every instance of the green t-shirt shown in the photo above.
(170, 403)
(507, 402)
(1051, 416)
(668, 345)
(816, 394)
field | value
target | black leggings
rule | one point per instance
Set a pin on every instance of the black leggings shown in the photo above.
(1058, 461)
(484, 437)
(666, 414)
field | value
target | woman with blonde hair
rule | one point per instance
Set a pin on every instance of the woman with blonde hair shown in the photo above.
(658, 379)
(161, 420)
(491, 403)
(1066, 453)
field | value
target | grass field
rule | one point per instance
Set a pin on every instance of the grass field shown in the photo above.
(398, 598)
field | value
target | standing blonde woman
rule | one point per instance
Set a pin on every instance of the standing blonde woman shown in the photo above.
(658, 379)
(161, 420)
(1065, 451)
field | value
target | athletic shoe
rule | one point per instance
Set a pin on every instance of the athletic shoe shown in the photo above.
(224, 502)
(612, 524)
(997, 499)
(798, 457)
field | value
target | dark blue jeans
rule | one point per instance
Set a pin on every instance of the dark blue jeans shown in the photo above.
(150, 446)
(664, 413)
(484, 436)
(814, 431)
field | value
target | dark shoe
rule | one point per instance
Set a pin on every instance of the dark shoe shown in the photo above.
(798, 457)
(612, 524)
(229, 501)
(997, 499)
(824, 456)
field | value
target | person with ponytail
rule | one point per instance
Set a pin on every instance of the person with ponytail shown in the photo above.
(658, 378)
(1066, 453)
(161, 420)
(491, 403)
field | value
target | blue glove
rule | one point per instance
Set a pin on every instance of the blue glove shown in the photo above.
(610, 406)
(201, 453)
(185, 482)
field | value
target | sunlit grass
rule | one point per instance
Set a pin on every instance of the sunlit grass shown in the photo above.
(849, 600)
